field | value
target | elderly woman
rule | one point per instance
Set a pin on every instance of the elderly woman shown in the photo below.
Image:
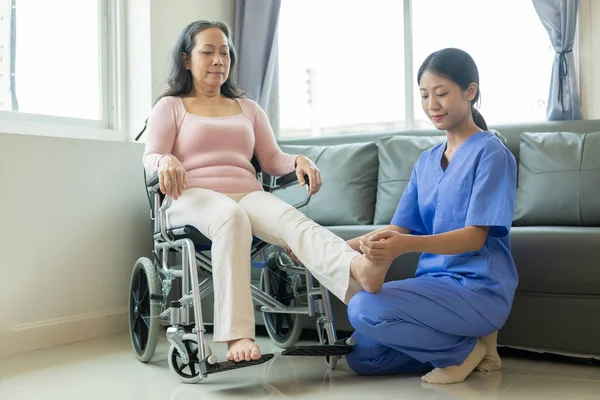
(201, 137)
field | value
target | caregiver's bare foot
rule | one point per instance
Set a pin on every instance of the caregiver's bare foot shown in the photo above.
(491, 361)
(457, 373)
(369, 274)
(242, 350)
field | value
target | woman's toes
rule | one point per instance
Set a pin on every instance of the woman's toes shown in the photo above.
(243, 350)
(255, 355)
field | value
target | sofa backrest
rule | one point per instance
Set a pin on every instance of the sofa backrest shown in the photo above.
(512, 133)
(365, 174)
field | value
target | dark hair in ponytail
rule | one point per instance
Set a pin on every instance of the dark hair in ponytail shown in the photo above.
(458, 66)
(478, 118)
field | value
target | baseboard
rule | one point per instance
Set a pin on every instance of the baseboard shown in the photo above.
(553, 352)
(55, 332)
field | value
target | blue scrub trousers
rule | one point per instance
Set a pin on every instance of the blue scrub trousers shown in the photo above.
(414, 325)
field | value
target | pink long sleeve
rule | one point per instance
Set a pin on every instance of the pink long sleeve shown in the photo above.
(272, 160)
(161, 131)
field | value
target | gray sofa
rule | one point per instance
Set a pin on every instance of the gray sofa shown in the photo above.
(555, 236)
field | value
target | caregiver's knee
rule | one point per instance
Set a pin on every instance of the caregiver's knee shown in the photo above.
(360, 309)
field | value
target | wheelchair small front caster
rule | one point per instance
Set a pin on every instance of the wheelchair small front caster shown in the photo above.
(190, 372)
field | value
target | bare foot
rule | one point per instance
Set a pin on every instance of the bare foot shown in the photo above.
(369, 274)
(478, 387)
(242, 350)
(491, 361)
(457, 373)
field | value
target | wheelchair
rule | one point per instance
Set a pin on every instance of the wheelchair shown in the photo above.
(286, 292)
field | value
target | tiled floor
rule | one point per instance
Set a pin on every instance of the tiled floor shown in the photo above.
(104, 369)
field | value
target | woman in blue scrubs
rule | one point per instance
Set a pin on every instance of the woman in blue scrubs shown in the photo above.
(457, 211)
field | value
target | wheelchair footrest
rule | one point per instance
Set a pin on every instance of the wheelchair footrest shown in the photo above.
(318, 350)
(207, 368)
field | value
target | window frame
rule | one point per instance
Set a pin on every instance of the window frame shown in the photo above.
(409, 73)
(110, 126)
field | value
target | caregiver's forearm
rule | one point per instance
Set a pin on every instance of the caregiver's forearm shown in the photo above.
(464, 240)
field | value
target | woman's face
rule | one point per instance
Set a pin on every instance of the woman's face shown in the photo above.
(209, 61)
(444, 102)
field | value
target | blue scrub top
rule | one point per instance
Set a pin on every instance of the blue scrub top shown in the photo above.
(477, 188)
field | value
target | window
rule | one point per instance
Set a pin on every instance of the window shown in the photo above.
(56, 65)
(340, 68)
(507, 41)
(355, 69)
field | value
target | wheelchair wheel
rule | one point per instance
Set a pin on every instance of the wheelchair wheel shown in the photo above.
(143, 312)
(283, 329)
(188, 373)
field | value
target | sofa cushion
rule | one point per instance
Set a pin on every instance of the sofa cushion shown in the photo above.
(557, 259)
(558, 179)
(542, 254)
(349, 174)
(397, 157)
(590, 180)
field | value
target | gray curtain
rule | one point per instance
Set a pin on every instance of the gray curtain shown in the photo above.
(560, 20)
(255, 38)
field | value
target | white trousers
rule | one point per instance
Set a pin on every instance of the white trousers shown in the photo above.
(230, 221)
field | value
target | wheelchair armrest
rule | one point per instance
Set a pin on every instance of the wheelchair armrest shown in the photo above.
(280, 183)
(290, 180)
(152, 182)
(287, 180)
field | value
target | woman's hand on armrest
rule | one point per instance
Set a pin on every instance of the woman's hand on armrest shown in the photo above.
(172, 177)
(305, 166)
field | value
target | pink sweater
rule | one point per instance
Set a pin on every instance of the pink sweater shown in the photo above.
(215, 151)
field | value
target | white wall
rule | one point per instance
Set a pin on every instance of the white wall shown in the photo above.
(74, 216)
(74, 220)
